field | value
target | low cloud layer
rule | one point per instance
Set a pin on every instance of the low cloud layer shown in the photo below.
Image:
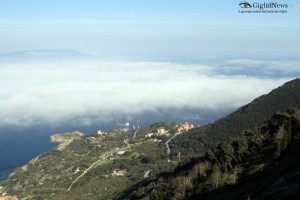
(89, 91)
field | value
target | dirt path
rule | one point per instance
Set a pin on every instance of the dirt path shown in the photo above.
(134, 134)
(102, 158)
(168, 147)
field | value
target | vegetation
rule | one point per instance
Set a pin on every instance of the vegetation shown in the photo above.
(223, 160)
(54, 174)
(252, 152)
(251, 115)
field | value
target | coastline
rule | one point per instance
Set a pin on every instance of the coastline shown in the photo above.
(61, 141)
(64, 139)
(15, 153)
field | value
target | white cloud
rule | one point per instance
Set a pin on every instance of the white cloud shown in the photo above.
(89, 91)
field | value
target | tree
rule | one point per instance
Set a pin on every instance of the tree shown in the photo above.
(233, 176)
(241, 146)
(216, 176)
(228, 153)
(201, 169)
(156, 195)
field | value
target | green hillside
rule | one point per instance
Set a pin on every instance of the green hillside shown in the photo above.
(251, 115)
(250, 154)
(257, 164)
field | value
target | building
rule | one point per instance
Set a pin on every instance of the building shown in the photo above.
(100, 133)
(185, 127)
(148, 135)
(121, 152)
(119, 172)
(76, 170)
(162, 131)
(8, 197)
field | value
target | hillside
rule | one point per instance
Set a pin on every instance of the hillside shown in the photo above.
(258, 164)
(172, 160)
(98, 166)
(251, 115)
(280, 180)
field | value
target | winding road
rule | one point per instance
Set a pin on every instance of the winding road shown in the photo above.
(102, 158)
(168, 147)
(110, 153)
(134, 134)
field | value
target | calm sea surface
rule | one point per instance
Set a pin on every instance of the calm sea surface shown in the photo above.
(16, 149)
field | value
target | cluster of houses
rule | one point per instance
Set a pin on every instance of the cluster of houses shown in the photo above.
(184, 126)
(8, 197)
(160, 131)
(181, 127)
(4, 197)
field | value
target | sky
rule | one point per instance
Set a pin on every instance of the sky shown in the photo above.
(88, 62)
(148, 29)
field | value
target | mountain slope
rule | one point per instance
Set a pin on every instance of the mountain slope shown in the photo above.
(258, 164)
(259, 110)
(279, 181)
(251, 115)
(259, 139)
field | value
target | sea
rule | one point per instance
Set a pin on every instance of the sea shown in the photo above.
(19, 146)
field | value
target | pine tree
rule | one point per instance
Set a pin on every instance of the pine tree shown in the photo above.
(216, 176)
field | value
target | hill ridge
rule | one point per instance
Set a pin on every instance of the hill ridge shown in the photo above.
(250, 115)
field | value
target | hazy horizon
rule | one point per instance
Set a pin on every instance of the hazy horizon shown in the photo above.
(148, 29)
(90, 63)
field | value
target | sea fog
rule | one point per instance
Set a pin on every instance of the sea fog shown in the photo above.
(47, 92)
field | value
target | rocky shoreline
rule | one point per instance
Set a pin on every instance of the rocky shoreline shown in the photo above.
(65, 138)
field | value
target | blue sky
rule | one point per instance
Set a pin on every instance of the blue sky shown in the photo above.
(148, 29)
